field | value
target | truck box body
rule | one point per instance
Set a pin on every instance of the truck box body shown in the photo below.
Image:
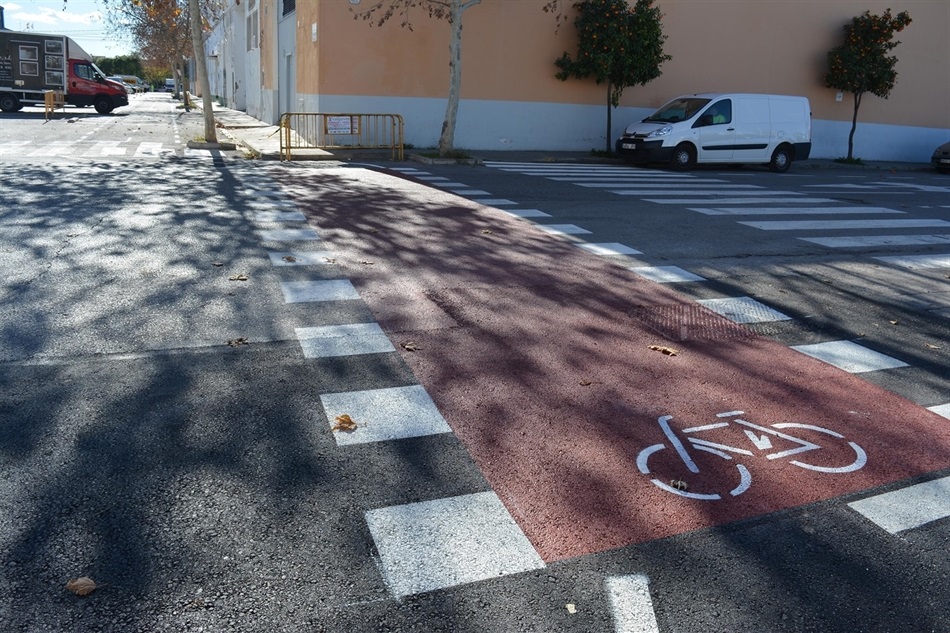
(32, 64)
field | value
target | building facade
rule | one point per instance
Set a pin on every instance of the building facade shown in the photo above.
(273, 56)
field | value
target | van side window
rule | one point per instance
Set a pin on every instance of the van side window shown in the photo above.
(720, 112)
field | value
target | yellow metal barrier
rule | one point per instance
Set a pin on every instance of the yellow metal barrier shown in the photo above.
(54, 99)
(320, 130)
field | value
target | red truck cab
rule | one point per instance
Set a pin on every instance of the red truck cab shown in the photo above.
(88, 86)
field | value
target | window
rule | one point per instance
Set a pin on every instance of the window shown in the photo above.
(289, 6)
(253, 25)
(718, 113)
(85, 71)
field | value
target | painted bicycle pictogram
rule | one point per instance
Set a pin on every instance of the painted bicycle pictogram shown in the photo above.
(808, 454)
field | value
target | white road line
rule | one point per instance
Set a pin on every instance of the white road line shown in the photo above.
(148, 149)
(826, 225)
(318, 291)
(563, 229)
(861, 241)
(744, 310)
(630, 604)
(917, 262)
(907, 508)
(353, 339)
(645, 184)
(384, 414)
(666, 274)
(793, 210)
(849, 356)
(527, 213)
(679, 190)
(701, 201)
(442, 543)
(610, 248)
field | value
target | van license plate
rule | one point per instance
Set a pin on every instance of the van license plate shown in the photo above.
(629, 145)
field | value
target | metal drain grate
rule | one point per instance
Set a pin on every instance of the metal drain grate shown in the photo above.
(684, 322)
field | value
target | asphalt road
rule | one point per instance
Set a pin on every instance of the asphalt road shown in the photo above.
(172, 367)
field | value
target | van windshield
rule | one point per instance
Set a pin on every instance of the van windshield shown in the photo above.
(677, 110)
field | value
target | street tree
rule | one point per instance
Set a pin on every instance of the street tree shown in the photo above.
(172, 28)
(449, 10)
(617, 45)
(862, 64)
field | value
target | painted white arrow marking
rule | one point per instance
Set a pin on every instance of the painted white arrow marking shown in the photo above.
(763, 443)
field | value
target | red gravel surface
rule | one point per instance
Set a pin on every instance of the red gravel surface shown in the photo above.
(538, 354)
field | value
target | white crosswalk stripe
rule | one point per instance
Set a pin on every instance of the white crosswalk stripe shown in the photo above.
(89, 149)
(907, 508)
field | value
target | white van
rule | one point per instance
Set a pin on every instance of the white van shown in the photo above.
(772, 130)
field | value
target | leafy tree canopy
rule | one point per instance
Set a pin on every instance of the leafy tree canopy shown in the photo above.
(616, 44)
(862, 64)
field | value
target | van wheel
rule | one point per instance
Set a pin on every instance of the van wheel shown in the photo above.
(684, 157)
(781, 159)
(9, 103)
(103, 105)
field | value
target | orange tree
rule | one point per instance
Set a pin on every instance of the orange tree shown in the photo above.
(862, 64)
(618, 45)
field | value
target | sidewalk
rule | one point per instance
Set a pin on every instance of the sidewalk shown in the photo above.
(263, 140)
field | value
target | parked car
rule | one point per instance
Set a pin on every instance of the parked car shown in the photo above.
(128, 88)
(941, 158)
(169, 85)
(718, 128)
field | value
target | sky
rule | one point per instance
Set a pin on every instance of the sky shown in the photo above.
(82, 20)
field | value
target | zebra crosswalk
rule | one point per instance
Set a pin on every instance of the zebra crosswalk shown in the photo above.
(100, 149)
(806, 211)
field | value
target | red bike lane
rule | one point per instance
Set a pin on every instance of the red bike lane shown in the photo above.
(551, 365)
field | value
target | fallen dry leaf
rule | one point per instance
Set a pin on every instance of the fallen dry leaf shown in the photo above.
(679, 484)
(487, 231)
(81, 586)
(217, 264)
(237, 278)
(289, 258)
(669, 351)
(344, 423)
(932, 346)
(410, 346)
(894, 322)
(366, 262)
(330, 260)
(571, 608)
(588, 383)
(235, 342)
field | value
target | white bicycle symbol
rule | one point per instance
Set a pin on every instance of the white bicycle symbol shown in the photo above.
(761, 438)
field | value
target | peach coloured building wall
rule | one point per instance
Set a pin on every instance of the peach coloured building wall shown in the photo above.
(511, 99)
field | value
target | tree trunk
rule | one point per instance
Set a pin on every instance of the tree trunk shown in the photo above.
(447, 138)
(201, 69)
(609, 113)
(854, 124)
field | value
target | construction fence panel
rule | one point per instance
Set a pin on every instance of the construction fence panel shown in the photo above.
(322, 130)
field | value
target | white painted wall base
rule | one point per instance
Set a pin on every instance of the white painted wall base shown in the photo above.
(519, 125)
